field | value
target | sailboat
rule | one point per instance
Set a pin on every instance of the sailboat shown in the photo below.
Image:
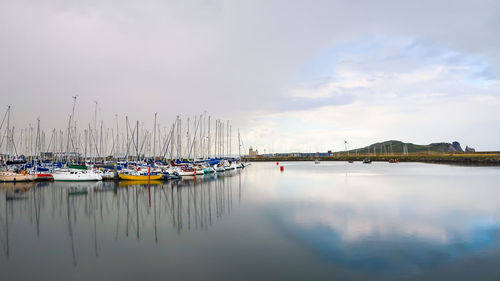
(190, 171)
(220, 168)
(106, 174)
(8, 175)
(209, 170)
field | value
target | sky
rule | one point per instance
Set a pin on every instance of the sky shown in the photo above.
(292, 75)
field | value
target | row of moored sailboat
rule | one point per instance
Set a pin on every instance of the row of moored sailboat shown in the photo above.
(123, 171)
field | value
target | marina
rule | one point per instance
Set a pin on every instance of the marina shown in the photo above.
(140, 154)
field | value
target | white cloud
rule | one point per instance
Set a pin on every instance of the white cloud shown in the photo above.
(428, 103)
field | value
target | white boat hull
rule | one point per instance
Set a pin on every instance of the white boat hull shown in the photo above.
(186, 173)
(76, 176)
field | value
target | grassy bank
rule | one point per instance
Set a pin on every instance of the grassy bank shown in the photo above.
(456, 158)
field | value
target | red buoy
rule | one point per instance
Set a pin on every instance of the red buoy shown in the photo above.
(282, 168)
(277, 163)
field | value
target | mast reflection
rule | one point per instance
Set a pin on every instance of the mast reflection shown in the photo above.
(150, 211)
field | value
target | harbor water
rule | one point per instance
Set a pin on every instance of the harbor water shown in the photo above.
(326, 221)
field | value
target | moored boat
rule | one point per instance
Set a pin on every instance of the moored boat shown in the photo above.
(44, 177)
(172, 175)
(140, 175)
(76, 175)
(209, 170)
(107, 175)
(190, 171)
(11, 176)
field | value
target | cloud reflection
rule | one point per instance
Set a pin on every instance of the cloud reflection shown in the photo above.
(395, 222)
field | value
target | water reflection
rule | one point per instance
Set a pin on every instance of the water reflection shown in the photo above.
(131, 209)
(382, 247)
(387, 218)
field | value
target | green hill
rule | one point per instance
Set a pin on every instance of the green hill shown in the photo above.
(395, 146)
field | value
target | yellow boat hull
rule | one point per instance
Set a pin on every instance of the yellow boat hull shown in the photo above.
(132, 183)
(141, 178)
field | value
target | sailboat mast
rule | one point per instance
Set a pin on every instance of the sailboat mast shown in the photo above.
(69, 127)
(8, 132)
(101, 151)
(154, 139)
(95, 131)
(193, 145)
(208, 138)
(117, 144)
(227, 139)
(137, 140)
(205, 139)
(187, 137)
(86, 135)
(179, 138)
(128, 138)
(37, 142)
(215, 138)
(239, 143)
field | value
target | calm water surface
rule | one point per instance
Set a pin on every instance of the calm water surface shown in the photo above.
(328, 221)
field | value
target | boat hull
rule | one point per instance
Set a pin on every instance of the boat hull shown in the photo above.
(108, 176)
(44, 177)
(187, 173)
(76, 177)
(13, 177)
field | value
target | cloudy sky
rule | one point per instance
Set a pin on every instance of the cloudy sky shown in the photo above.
(292, 75)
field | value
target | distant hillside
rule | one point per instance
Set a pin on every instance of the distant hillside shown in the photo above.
(395, 146)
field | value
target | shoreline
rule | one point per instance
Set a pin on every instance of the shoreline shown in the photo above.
(476, 159)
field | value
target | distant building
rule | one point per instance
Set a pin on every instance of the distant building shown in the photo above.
(253, 153)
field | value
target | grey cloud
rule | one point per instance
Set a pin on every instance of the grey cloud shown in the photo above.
(228, 57)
